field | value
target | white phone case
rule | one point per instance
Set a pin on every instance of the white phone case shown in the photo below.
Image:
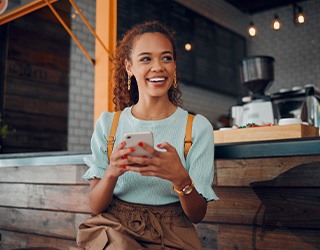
(132, 140)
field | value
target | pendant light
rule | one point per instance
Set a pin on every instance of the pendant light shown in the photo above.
(252, 30)
(299, 17)
(276, 24)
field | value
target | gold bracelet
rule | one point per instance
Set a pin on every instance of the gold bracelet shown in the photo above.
(186, 190)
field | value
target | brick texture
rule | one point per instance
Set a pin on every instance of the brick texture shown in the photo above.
(295, 48)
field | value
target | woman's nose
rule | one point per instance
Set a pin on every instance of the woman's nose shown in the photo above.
(157, 66)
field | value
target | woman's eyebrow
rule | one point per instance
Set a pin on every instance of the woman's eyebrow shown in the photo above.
(144, 53)
(148, 53)
(166, 52)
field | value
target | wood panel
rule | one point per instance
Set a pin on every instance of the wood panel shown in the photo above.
(22, 141)
(283, 171)
(72, 198)
(50, 223)
(247, 237)
(36, 105)
(20, 71)
(13, 240)
(58, 174)
(208, 235)
(276, 209)
(42, 206)
(46, 124)
(44, 51)
(45, 19)
(266, 206)
(37, 82)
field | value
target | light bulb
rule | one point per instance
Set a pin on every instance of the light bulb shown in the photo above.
(252, 30)
(276, 25)
(187, 46)
(300, 18)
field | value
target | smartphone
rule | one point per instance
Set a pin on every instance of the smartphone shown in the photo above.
(132, 140)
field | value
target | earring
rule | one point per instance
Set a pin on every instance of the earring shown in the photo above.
(129, 82)
(175, 85)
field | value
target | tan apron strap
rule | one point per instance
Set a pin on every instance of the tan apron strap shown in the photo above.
(188, 139)
(113, 130)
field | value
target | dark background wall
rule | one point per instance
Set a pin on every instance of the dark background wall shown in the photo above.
(34, 83)
(213, 62)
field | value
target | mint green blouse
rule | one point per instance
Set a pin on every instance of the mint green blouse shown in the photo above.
(134, 188)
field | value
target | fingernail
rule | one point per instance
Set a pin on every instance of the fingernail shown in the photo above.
(144, 156)
(140, 143)
(125, 156)
(123, 166)
(131, 149)
(159, 145)
(122, 143)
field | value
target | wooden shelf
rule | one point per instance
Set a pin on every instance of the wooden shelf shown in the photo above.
(265, 133)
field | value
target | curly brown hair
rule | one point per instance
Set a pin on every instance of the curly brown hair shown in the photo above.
(122, 96)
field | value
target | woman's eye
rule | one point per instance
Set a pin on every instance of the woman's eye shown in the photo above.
(167, 58)
(144, 59)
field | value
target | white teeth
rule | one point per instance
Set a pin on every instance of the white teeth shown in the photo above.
(157, 79)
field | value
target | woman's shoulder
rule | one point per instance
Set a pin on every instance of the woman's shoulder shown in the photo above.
(105, 117)
(200, 122)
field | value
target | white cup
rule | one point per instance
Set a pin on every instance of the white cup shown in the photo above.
(288, 121)
(225, 128)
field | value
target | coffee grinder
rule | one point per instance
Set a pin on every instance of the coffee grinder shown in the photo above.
(256, 74)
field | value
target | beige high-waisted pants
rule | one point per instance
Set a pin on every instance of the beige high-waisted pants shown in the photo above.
(133, 226)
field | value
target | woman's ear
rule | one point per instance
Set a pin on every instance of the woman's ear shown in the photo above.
(127, 65)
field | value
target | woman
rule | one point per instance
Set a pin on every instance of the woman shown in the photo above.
(132, 197)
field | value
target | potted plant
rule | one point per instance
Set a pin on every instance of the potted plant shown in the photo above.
(4, 131)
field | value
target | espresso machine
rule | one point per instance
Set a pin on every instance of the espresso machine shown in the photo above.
(257, 75)
(301, 102)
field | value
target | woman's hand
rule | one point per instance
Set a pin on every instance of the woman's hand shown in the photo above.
(166, 165)
(118, 160)
(101, 190)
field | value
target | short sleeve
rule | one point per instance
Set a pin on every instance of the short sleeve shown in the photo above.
(98, 160)
(200, 159)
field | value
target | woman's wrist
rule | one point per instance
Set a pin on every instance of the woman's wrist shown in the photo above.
(182, 182)
(109, 174)
(186, 190)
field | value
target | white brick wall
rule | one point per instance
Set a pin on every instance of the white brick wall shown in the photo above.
(295, 49)
(80, 124)
(207, 103)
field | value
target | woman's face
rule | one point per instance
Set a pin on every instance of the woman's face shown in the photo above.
(152, 64)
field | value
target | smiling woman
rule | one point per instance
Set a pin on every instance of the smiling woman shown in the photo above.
(138, 209)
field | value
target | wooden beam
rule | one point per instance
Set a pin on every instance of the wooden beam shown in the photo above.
(23, 10)
(106, 29)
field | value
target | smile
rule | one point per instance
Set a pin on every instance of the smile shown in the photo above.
(156, 79)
